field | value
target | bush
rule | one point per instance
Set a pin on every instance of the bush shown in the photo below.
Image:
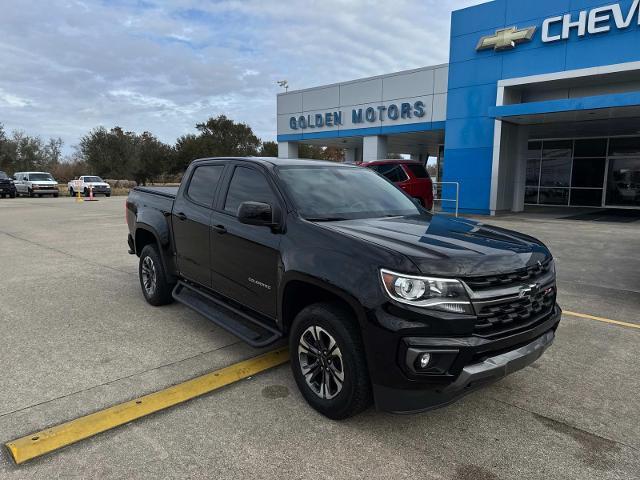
(121, 183)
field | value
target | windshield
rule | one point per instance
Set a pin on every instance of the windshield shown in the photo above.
(338, 193)
(3, 176)
(40, 177)
(93, 179)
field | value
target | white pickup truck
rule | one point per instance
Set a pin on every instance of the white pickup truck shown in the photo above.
(85, 183)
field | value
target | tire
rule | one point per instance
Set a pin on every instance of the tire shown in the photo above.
(13, 195)
(31, 194)
(4, 196)
(71, 194)
(56, 195)
(86, 192)
(107, 195)
(156, 291)
(322, 324)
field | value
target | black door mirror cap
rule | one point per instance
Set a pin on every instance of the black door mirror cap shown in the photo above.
(258, 214)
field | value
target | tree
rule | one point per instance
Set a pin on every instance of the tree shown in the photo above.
(23, 152)
(217, 137)
(153, 158)
(269, 149)
(125, 155)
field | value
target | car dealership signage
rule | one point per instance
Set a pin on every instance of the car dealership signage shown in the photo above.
(382, 113)
(586, 22)
(596, 20)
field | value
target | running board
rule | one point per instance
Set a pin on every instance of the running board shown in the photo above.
(235, 321)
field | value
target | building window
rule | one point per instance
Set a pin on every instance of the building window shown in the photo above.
(590, 172)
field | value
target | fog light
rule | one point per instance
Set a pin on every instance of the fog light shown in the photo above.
(424, 360)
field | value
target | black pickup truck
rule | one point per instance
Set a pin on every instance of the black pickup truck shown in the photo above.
(380, 300)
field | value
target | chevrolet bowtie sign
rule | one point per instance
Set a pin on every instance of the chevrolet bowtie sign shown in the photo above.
(506, 39)
(554, 29)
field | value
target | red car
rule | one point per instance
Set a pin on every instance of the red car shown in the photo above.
(410, 176)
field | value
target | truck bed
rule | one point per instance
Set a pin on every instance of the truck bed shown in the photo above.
(169, 192)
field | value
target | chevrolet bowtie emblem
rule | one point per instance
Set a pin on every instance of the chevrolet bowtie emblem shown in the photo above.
(506, 39)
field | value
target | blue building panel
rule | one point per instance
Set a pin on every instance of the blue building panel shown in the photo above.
(474, 76)
(474, 101)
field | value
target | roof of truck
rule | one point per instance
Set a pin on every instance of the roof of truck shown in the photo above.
(278, 161)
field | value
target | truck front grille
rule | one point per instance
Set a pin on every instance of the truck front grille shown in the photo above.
(519, 277)
(500, 317)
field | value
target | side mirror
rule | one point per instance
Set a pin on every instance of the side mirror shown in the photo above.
(256, 213)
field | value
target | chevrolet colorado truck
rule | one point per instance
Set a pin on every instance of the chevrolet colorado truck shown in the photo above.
(380, 300)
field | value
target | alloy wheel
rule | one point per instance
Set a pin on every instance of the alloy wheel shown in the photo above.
(321, 362)
(149, 276)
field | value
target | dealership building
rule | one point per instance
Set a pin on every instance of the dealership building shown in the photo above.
(538, 105)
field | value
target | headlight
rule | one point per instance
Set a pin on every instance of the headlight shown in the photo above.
(442, 294)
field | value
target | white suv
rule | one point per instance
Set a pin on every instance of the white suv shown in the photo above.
(35, 183)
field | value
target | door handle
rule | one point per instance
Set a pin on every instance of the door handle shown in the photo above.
(219, 228)
(181, 216)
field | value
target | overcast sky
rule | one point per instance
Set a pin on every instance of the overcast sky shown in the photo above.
(69, 66)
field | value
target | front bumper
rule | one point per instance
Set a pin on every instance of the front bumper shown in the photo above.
(483, 363)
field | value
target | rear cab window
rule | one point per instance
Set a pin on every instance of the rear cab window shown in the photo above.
(204, 183)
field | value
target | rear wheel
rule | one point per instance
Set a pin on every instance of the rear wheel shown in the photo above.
(153, 279)
(328, 361)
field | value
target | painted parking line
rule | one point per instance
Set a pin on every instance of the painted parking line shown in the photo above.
(602, 319)
(52, 439)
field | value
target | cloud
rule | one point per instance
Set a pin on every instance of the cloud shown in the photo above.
(164, 66)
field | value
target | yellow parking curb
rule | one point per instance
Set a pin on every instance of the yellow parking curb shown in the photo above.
(51, 439)
(602, 319)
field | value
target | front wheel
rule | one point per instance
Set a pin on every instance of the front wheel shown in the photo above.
(153, 279)
(328, 361)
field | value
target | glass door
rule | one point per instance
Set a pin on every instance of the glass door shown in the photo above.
(623, 182)
(623, 173)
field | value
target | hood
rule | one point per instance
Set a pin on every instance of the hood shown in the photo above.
(442, 245)
(43, 182)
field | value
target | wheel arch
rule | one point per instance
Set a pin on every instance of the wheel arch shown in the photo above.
(146, 235)
(301, 290)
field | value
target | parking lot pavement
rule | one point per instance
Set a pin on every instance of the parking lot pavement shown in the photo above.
(77, 336)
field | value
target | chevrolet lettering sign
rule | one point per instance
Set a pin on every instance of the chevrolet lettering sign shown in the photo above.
(506, 39)
(597, 20)
(585, 22)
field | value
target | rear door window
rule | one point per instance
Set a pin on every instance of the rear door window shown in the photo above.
(393, 172)
(418, 170)
(204, 183)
